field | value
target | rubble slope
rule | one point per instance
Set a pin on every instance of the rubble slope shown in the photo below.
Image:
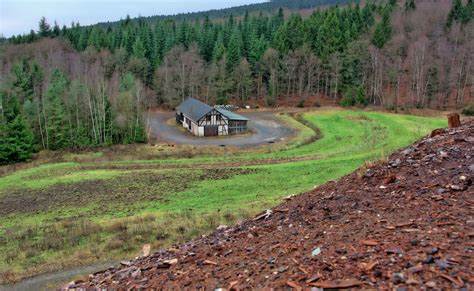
(407, 222)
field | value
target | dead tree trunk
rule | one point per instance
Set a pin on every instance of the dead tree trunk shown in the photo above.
(453, 120)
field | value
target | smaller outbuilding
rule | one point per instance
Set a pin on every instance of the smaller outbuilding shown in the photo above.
(203, 120)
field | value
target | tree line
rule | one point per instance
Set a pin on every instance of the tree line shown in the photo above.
(86, 86)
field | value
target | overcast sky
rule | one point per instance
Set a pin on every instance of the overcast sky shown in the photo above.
(19, 16)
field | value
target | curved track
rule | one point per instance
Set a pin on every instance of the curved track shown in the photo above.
(265, 128)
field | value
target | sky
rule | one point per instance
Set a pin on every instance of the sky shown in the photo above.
(20, 16)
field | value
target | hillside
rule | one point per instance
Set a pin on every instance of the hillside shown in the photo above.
(397, 224)
(267, 7)
(102, 81)
(68, 209)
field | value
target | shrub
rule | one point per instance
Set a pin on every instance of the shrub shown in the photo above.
(468, 110)
(354, 96)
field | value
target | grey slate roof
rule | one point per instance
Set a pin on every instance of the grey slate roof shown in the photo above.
(231, 115)
(194, 108)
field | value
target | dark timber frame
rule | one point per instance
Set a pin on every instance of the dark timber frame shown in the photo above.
(204, 120)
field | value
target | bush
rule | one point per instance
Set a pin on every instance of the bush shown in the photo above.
(354, 96)
(468, 110)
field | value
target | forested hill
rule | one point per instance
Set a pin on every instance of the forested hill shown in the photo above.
(87, 86)
(266, 7)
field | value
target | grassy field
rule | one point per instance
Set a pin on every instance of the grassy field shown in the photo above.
(90, 209)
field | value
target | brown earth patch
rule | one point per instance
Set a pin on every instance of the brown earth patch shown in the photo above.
(128, 188)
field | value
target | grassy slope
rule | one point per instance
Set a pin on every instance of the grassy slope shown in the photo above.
(124, 214)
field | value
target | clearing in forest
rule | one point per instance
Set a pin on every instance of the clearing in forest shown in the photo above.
(89, 209)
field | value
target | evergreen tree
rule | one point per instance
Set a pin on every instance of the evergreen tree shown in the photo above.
(383, 30)
(139, 49)
(16, 138)
(234, 51)
(410, 5)
(290, 35)
(44, 28)
(56, 30)
(258, 46)
(56, 123)
(460, 13)
(219, 49)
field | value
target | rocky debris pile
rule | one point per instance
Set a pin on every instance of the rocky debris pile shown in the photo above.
(405, 224)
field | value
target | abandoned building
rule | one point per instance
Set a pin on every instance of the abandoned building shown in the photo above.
(203, 120)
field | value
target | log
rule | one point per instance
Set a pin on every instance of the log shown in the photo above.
(453, 120)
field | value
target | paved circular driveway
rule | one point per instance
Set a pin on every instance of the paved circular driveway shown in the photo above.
(264, 126)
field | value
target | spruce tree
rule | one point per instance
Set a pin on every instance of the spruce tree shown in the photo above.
(234, 51)
(16, 138)
(383, 30)
(56, 122)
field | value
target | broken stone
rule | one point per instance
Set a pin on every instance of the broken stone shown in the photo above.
(398, 278)
(221, 227)
(395, 163)
(136, 273)
(442, 264)
(429, 260)
(171, 261)
(369, 242)
(209, 262)
(264, 215)
(458, 187)
(407, 151)
(443, 154)
(346, 283)
(437, 132)
(412, 281)
(471, 168)
(432, 251)
(282, 269)
(146, 250)
(440, 190)
(316, 252)
(415, 269)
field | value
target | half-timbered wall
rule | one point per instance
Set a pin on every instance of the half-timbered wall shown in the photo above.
(213, 119)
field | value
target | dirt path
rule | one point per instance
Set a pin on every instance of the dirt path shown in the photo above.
(50, 281)
(265, 127)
